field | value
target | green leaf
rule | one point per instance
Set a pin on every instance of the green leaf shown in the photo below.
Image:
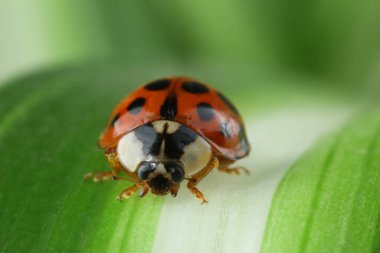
(329, 201)
(48, 141)
(236, 214)
(49, 125)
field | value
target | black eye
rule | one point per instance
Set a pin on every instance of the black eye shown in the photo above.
(146, 168)
(176, 171)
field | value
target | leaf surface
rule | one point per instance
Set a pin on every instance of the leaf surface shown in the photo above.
(329, 201)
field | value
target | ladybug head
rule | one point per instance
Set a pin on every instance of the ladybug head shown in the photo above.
(161, 177)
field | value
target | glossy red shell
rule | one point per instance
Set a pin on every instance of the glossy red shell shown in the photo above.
(205, 110)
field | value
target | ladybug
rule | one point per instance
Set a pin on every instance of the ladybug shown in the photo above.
(170, 130)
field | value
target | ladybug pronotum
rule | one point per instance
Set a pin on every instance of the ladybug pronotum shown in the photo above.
(171, 130)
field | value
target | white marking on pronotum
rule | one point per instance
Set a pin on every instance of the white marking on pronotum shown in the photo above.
(159, 126)
(196, 156)
(160, 169)
(130, 151)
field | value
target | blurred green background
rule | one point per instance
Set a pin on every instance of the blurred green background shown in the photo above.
(334, 42)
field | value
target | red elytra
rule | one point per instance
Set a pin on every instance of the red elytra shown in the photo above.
(187, 101)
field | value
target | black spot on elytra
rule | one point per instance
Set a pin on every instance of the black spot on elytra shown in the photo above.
(158, 85)
(150, 139)
(114, 119)
(177, 141)
(228, 103)
(225, 129)
(136, 105)
(169, 108)
(205, 111)
(195, 88)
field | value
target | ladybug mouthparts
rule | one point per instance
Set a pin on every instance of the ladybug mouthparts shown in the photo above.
(160, 184)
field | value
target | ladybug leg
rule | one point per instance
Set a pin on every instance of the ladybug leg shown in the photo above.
(143, 190)
(234, 170)
(195, 179)
(128, 192)
(116, 169)
(174, 189)
(106, 175)
(98, 176)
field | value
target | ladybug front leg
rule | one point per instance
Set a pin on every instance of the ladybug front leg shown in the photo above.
(116, 166)
(98, 176)
(195, 179)
(234, 170)
(136, 184)
(128, 192)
